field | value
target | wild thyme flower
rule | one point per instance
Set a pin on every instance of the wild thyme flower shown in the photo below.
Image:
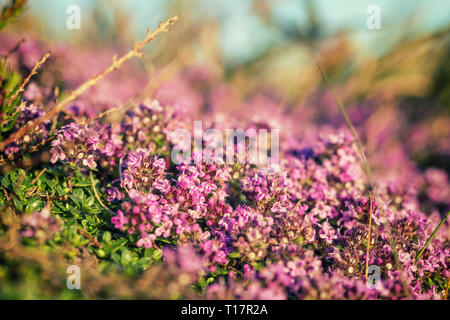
(144, 172)
(40, 225)
(27, 113)
(76, 144)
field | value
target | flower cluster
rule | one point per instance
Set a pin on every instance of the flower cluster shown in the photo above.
(40, 225)
(25, 114)
(144, 172)
(75, 144)
(298, 230)
(301, 231)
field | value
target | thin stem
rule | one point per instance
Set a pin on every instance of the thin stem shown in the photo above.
(19, 109)
(369, 237)
(97, 195)
(15, 48)
(38, 176)
(446, 290)
(295, 207)
(431, 237)
(27, 79)
(93, 239)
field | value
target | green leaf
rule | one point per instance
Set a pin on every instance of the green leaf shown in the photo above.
(5, 182)
(106, 237)
(202, 282)
(157, 254)
(75, 199)
(125, 257)
(118, 244)
(60, 191)
(149, 252)
(143, 263)
(80, 194)
(101, 253)
(34, 204)
(18, 204)
(11, 12)
(89, 202)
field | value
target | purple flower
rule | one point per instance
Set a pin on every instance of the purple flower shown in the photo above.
(119, 220)
(327, 233)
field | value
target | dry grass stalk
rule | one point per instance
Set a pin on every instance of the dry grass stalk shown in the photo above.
(35, 69)
(369, 239)
(446, 289)
(97, 196)
(93, 239)
(149, 90)
(38, 176)
(15, 48)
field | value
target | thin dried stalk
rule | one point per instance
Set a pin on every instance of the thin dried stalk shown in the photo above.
(93, 239)
(35, 69)
(135, 52)
(15, 48)
(148, 91)
(19, 109)
(369, 237)
(38, 176)
(369, 175)
(295, 207)
(97, 196)
(446, 289)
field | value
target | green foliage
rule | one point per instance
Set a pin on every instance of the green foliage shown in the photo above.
(86, 227)
(9, 84)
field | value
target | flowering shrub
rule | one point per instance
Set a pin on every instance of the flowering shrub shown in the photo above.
(106, 195)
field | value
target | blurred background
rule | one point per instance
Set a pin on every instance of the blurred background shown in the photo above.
(258, 25)
(257, 59)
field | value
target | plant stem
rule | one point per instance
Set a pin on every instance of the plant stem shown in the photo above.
(27, 79)
(368, 172)
(431, 237)
(97, 195)
(446, 290)
(369, 237)
(38, 176)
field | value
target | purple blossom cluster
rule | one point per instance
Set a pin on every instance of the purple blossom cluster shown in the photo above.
(26, 113)
(40, 225)
(76, 144)
(176, 210)
(300, 230)
(297, 231)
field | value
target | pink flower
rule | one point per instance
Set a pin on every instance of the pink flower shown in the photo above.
(146, 240)
(119, 220)
(327, 233)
